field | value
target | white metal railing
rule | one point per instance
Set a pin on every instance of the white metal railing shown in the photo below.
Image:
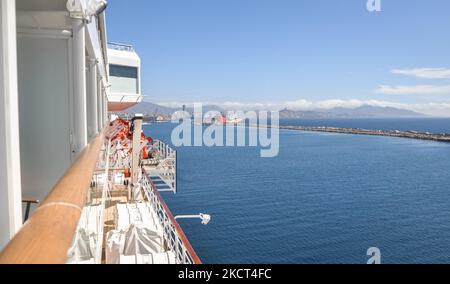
(173, 236)
(167, 167)
(106, 188)
(163, 149)
(120, 46)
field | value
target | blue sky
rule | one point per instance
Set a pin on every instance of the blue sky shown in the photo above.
(293, 53)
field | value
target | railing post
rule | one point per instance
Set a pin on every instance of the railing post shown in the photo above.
(92, 109)
(79, 87)
(10, 175)
(175, 179)
(177, 247)
(137, 130)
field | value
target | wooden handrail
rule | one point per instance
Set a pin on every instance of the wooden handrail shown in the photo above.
(48, 234)
(177, 227)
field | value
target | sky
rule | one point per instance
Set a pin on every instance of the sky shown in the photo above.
(299, 54)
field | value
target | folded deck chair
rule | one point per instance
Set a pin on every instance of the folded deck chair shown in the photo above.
(156, 258)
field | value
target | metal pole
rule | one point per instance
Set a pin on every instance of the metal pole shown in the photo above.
(137, 130)
(10, 175)
(100, 103)
(92, 100)
(79, 87)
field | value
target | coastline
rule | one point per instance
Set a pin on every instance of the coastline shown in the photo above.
(437, 137)
(387, 133)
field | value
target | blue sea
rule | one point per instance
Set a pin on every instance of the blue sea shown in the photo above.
(326, 198)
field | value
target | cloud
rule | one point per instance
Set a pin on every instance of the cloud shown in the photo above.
(414, 90)
(433, 109)
(427, 73)
(325, 104)
(300, 104)
(249, 106)
(179, 104)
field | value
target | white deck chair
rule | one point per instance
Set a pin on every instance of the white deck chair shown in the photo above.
(156, 258)
(147, 218)
(127, 259)
(93, 219)
(164, 258)
(122, 217)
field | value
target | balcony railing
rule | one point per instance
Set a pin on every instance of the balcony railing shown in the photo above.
(174, 237)
(120, 47)
(167, 167)
(47, 235)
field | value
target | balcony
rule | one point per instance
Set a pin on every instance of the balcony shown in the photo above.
(120, 47)
(119, 102)
(124, 76)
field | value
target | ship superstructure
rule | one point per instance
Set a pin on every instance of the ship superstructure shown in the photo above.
(96, 178)
(125, 77)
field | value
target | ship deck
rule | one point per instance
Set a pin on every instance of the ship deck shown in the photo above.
(125, 219)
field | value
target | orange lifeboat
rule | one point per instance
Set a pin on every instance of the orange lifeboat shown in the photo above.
(127, 173)
(145, 153)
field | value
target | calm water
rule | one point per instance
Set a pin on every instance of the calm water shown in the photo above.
(326, 198)
(435, 125)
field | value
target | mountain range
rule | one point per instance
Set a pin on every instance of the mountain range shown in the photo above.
(152, 109)
(366, 111)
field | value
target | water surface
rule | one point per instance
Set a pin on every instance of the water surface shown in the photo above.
(326, 198)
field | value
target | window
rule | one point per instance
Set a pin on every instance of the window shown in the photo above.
(124, 79)
(123, 71)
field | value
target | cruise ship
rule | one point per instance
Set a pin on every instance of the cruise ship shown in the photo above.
(78, 184)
